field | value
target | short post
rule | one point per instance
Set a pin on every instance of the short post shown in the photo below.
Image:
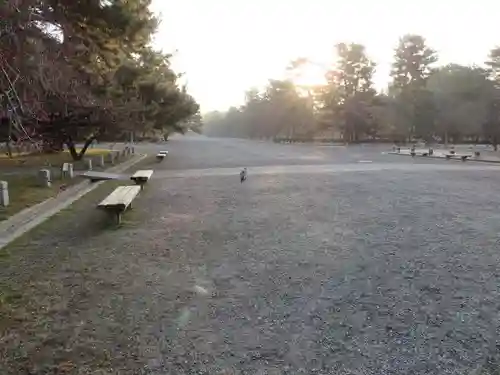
(70, 170)
(133, 150)
(100, 160)
(67, 170)
(118, 217)
(44, 178)
(111, 157)
(4, 193)
(88, 164)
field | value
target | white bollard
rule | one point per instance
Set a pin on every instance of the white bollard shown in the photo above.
(44, 178)
(111, 157)
(70, 170)
(4, 193)
(100, 161)
(88, 164)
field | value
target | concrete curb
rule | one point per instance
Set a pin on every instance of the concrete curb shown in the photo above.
(443, 158)
(31, 217)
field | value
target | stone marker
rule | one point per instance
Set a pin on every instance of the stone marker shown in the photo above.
(65, 170)
(44, 178)
(88, 164)
(4, 193)
(70, 170)
(100, 160)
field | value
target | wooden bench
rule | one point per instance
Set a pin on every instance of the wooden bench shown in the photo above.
(161, 155)
(119, 200)
(141, 177)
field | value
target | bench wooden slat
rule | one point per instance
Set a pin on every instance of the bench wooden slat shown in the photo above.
(142, 174)
(120, 198)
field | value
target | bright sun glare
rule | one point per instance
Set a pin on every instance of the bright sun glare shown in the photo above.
(310, 75)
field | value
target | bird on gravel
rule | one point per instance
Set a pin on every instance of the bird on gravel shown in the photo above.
(243, 175)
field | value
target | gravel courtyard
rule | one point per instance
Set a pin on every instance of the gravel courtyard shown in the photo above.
(328, 260)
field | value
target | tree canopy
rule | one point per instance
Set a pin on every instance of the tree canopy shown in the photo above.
(423, 101)
(74, 70)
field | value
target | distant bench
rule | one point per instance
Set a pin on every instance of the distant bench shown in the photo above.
(463, 157)
(161, 155)
(119, 200)
(142, 177)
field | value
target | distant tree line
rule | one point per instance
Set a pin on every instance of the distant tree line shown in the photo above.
(76, 70)
(451, 103)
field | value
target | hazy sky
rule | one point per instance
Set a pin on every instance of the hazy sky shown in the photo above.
(227, 46)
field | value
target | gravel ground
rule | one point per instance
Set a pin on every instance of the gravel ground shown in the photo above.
(357, 272)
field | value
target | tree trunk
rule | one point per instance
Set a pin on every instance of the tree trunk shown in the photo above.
(86, 145)
(72, 150)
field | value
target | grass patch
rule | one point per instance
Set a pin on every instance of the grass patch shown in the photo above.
(24, 192)
(41, 160)
(82, 216)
